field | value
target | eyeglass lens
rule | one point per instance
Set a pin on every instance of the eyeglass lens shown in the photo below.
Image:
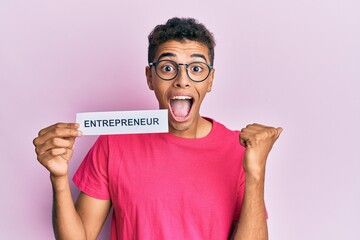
(197, 71)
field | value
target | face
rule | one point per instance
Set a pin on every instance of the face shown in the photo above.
(181, 96)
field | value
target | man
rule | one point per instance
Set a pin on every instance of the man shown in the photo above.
(185, 184)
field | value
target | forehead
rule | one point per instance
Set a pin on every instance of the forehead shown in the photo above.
(185, 49)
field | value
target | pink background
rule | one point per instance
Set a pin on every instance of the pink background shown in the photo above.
(294, 64)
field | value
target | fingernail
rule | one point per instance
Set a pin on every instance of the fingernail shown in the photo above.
(79, 133)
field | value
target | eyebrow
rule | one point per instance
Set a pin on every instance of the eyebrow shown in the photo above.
(199, 55)
(168, 54)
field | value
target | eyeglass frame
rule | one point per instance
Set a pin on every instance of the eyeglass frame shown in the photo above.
(154, 64)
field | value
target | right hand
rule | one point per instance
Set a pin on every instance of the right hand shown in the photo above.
(54, 147)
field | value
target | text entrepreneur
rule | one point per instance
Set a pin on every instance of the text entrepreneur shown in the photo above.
(121, 122)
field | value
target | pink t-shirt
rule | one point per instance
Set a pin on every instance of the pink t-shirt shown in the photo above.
(165, 187)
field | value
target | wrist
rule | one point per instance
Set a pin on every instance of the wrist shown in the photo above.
(255, 187)
(255, 174)
(256, 181)
(59, 183)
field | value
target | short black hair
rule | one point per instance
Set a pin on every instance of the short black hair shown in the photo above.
(180, 29)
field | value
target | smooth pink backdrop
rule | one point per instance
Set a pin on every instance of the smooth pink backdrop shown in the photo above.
(294, 64)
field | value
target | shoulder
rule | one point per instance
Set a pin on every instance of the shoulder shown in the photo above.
(221, 129)
(220, 134)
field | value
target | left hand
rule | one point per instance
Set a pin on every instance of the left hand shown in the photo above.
(258, 140)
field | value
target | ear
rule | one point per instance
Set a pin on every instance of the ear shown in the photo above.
(149, 77)
(210, 80)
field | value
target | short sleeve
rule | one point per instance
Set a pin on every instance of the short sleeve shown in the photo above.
(92, 175)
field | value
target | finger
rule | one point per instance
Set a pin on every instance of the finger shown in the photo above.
(245, 139)
(55, 143)
(242, 142)
(51, 154)
(254, 133)
(39, 140)
(57, 133)
(255, 127)
(63, 153)
(58, 125)
(279, 131)
(250, 132)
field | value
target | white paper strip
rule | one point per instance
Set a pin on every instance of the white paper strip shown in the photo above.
(123, 122)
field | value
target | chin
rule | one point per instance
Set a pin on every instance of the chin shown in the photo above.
(180, 126)
(183, 127)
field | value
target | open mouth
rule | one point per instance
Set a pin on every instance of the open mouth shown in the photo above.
(180, 107)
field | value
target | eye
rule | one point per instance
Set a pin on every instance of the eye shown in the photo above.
(196, 68)
(167, 68)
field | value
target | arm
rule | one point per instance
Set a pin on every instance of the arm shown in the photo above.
(93, 213)
(54, 147)
(80, 221)
(258, 140)
(67, 223)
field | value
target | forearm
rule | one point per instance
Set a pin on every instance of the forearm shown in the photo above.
(67, 223)
(252, 223)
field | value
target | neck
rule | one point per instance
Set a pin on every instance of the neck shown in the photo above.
(199, 129)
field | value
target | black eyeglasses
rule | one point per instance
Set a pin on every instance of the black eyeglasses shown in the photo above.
(168, 70)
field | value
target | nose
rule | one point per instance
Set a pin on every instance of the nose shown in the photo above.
(182, 80)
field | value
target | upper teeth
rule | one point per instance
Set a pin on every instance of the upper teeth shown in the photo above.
(181, 97)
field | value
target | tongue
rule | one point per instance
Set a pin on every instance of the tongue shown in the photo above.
(180, 108)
